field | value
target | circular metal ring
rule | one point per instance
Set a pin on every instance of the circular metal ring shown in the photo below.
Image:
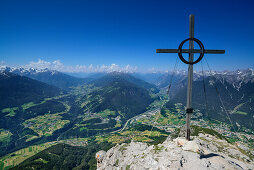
(180, 50)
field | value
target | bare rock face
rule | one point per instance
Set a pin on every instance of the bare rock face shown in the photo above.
(180, 141)
(203, 152)
(191, 146)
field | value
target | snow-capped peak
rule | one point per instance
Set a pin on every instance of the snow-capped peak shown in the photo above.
(24, 70)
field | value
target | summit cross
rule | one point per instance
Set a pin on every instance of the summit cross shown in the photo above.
(190, 62)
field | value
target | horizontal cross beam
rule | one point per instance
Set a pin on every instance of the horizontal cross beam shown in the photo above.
(187, 51)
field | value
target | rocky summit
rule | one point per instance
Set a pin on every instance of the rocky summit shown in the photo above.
(202, 152)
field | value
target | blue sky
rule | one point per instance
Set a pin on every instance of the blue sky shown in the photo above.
(122, 32)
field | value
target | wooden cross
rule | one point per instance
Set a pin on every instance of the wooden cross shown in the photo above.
(190, 63)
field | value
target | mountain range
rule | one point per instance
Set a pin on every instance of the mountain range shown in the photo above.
(218, 94)
(33, 111)
(51, 77)
(236, 78)
(39, 106)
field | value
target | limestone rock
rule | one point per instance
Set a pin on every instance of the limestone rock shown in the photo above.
(181, 141)
(191, 146)
(203, 152)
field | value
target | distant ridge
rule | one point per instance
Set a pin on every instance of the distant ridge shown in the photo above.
(51, 77)
(119, 76)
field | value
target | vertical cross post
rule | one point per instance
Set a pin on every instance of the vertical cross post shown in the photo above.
(189, 109)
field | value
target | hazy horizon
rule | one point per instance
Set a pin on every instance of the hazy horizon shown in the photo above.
(91, 69)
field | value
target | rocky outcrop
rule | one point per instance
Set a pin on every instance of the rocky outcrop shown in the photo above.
(202, 152)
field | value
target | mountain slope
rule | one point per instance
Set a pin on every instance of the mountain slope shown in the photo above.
(24, 102)
(148, 77)
(16, 90)
(236, 92)
(118, 76)
(120, 92)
